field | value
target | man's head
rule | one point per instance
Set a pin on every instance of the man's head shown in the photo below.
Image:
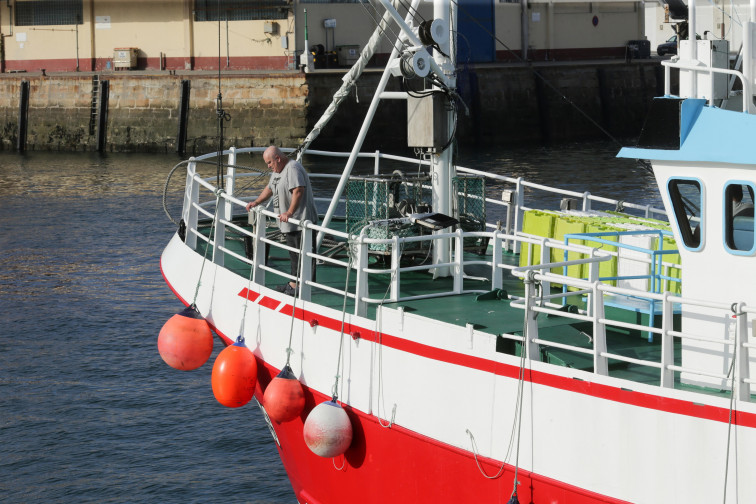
(275, 159)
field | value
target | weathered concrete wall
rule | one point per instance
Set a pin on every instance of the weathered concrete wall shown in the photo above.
(143, 111)
(507, 105)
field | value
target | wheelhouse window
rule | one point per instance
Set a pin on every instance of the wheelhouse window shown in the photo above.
(687, 201)
(48, 12)
(738, 217)
(239, 10)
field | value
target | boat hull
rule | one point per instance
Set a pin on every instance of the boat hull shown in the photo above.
(434, 410)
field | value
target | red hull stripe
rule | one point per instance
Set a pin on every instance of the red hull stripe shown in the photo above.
(620, 395)
(599, 391)
(249, 294)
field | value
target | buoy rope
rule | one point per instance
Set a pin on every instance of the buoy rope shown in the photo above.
(297, 292)
(246, 298)
(379, 332)
(731, 377)
(218, 193)
(343, 464)
(475, 454)
(514, 432)
(335, 390)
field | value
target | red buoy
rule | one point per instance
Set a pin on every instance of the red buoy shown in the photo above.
(284, 398)
(234, 375)
(327, 430)
(185, 342)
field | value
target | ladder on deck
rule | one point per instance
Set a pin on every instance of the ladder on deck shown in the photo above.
(94, 109)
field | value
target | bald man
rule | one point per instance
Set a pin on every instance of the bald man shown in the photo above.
(290, 188)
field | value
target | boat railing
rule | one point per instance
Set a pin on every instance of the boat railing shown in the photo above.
(709, 70)
(227, 204)
(358, 245)
(513, 203)
(538, 278)
(736, 378)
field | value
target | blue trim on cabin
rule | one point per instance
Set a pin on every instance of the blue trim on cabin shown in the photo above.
(707, 134)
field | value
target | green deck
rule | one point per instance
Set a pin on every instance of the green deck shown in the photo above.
(494, 316)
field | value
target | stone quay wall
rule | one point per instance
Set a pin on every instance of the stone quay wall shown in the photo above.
(503, 105)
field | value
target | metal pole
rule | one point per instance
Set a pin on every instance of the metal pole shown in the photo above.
(361, 135)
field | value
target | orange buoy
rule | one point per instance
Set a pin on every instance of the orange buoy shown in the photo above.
(234, 375)
(284, 398)
(327, 430)
(185, 342)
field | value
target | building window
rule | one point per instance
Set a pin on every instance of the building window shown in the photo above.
(738, 217)
(48, 12)
(239, 10)
(687, 201)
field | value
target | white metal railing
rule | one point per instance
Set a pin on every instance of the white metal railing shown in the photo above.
(740, 379)
(223, 203)
(710, 71)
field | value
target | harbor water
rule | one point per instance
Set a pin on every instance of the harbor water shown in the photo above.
(88, 410)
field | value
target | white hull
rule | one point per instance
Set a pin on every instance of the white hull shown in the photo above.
(623, 440)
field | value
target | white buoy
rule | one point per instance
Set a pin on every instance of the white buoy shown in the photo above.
(328, 430)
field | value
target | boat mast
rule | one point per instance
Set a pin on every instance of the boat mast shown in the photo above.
(442, 166)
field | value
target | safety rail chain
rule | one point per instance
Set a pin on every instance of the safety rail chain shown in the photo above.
(532, 302)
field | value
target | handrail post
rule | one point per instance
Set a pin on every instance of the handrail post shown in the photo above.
(531, 326)
(396, 257)
(305, 262)
(667, 83)
(497, 280)
(600, 363)
(258, 276)
(377, 163)
(230, 183)
(517, 220)
(586, 201)
(593, 277)
(361, 287)
(667, 344)
(459, 260)
(219, 236)
(742, 388)
(191, 200)
(545, 259)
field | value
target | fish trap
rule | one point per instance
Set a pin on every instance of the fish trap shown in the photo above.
(471, 209)
(381, 203)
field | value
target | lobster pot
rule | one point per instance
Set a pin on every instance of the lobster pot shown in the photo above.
(471, 208)
(384, 201)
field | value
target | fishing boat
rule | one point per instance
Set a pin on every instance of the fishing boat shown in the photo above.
(457, 344)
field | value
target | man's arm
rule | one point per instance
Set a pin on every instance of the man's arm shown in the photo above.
(262, 198)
